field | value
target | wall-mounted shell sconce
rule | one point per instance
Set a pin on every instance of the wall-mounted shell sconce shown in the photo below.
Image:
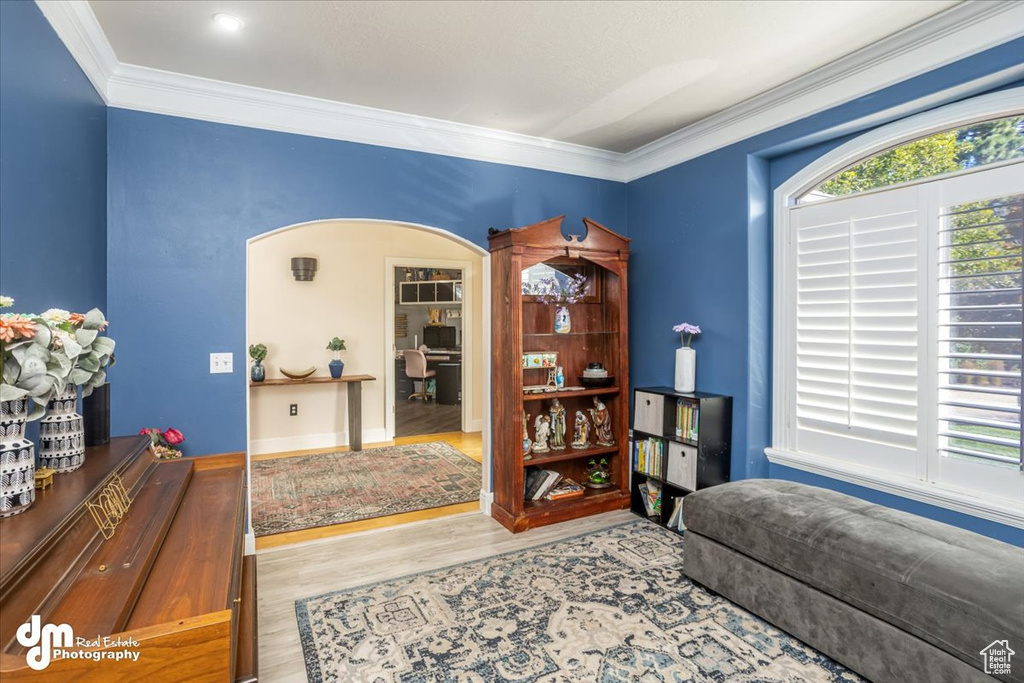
(304, 268)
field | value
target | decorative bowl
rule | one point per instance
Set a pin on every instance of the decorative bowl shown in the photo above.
(298, 374)
(597, 382)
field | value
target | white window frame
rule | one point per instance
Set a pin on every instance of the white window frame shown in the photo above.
(996, 105)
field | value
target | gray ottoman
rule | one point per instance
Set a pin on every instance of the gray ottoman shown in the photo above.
(891, 595)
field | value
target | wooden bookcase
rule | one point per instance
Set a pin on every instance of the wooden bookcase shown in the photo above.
(599, 334)
(695, 455)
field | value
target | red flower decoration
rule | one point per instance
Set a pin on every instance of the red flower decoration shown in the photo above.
(173, 436)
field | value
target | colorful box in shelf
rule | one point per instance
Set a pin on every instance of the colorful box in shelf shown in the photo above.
(540, 359)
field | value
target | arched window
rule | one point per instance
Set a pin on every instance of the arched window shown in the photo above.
(949, 151)
(898, 310)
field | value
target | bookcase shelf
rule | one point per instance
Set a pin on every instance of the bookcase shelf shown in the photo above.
(599, 334)
(568, 334)
(547, 396)
(569, 454)
(592, 496)
(681, 465)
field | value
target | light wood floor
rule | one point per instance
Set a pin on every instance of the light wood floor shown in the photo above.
(469, 443)
(286, 575)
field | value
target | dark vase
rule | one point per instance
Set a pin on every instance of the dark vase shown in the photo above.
(336, 367)
(259, 373)
(96, 413)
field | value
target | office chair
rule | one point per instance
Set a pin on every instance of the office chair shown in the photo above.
(416, 369)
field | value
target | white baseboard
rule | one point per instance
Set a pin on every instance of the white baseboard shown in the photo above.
(486, 498)
(303, 442)
(250, 543)
(476, 426)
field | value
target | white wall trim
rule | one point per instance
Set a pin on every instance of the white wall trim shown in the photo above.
(991, 509)
(963, 30)
(469, 352)
(486, 499)
(304, 442)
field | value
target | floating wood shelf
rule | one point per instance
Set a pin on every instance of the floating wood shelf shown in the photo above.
(313, 380)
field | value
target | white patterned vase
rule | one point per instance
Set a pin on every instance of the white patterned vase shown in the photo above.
(17, 459)
(563, 323)
(686, 370)
(61, 433)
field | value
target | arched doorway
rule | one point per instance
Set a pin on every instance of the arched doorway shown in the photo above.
(354, 256)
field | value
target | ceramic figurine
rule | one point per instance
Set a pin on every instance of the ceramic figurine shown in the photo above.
(527, 444)
(541, 433)
(602, 423)
(581, 432)
(559, 377)
(557, 413)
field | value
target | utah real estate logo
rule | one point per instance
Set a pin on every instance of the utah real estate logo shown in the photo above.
(996, 656)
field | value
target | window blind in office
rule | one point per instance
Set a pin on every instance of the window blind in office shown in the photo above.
(858, 328)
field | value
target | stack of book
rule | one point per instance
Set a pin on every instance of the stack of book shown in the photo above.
(566, 488)
(687, 419)
(648, 455)
(650, 492)
(676, 520)
(539, 482)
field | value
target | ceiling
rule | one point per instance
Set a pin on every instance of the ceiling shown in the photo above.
(610, 75)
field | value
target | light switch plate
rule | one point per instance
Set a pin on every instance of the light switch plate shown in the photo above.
(221, 362)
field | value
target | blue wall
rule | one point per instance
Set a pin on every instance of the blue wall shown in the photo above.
(701, 235)
(185, 195)
(53, 170)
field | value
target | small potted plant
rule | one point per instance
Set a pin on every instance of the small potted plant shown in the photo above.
(258, 353)
(336, 346)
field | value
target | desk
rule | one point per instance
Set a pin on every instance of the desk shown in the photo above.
(447, 364)
(355, 400)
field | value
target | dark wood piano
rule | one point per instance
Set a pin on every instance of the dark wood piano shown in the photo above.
(172, 575)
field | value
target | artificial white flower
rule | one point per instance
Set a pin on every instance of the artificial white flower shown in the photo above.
(56, 316)
(6, 301)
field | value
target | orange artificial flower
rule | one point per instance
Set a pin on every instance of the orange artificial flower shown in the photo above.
(16, 327)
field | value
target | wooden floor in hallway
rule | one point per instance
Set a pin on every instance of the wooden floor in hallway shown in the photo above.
(289, 574)
(469, 443)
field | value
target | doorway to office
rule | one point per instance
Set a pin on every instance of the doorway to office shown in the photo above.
(434, 329)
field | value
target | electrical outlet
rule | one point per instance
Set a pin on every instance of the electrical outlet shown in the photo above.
(293, 409)
(221, 362)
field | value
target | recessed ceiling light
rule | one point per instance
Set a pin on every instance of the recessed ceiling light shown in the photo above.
(228, 22)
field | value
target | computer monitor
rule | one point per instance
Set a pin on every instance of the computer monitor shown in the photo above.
(439, 337)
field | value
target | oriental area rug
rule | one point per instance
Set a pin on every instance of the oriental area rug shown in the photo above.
(302, 492)
(609, 606)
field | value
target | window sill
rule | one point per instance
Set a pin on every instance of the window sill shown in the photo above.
(1000, 510)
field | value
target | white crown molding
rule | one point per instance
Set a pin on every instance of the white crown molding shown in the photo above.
(964, 30)
(961, 31)
(80, 31)
(163, 92)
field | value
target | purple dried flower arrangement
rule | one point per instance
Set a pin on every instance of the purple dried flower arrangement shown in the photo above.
(550, 291)
(687, 332)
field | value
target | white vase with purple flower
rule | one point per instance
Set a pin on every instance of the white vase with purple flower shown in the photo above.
(570, 291)
(686, 359)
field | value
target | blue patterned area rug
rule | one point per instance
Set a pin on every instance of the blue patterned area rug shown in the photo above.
(609, 606)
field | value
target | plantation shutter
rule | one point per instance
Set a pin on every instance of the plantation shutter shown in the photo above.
(858, 328)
